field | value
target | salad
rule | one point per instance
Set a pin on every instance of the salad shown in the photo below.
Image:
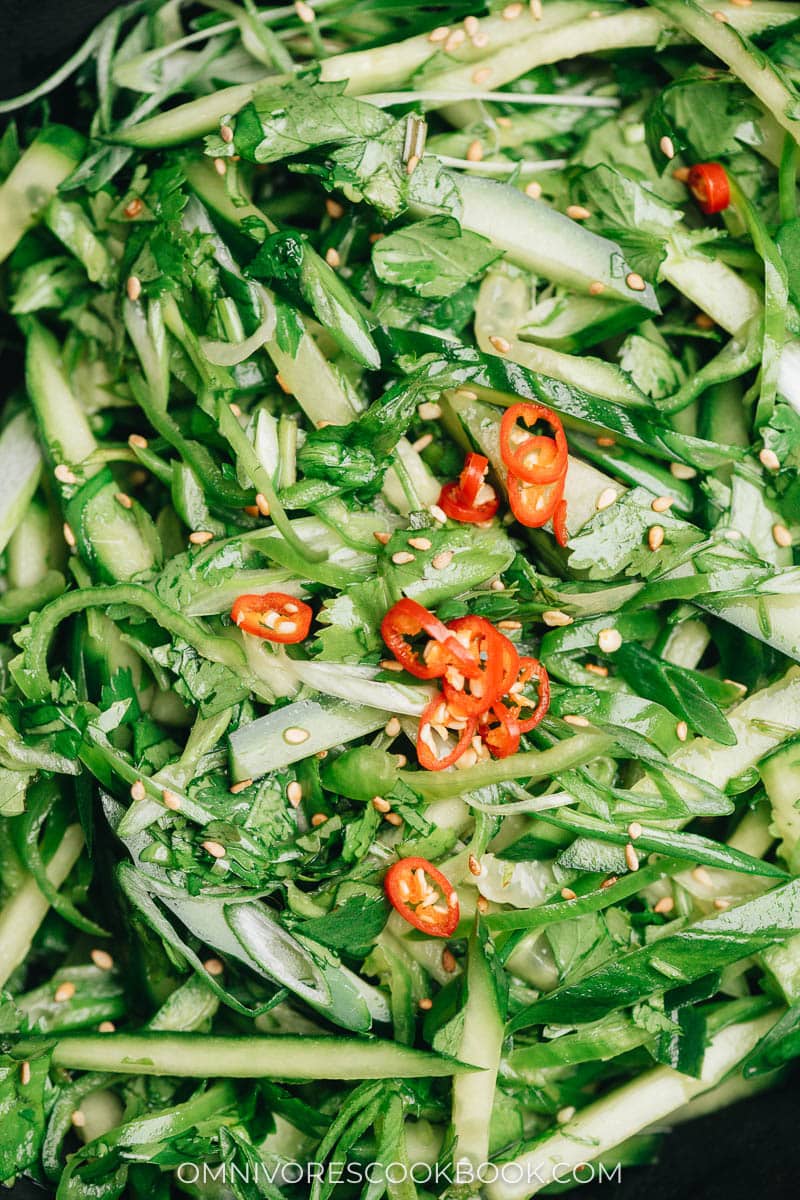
(399, 494)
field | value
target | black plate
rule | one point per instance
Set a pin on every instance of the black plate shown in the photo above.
(736, 1154)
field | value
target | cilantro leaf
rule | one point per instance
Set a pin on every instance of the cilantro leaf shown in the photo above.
(434, 257)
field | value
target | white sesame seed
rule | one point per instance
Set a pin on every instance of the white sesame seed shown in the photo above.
(577, 212)
(720, 905)
(64, 475)
(768, 458)
(420, 543)
(440, 34)
(566, 1114)
(442, 559)
(655, 537)
(401, 557)
(720, 16)
(497, 585)
(422, 443)
(635, 282)
(596, 287)
(133, 288)
(664, 905)
(534, 190)
(681, 731)
(634, 830)
(25, 1073)
(138, 790)
(137, 442)
(106, 1027)
(662, 503)
(500, 344)
(304, 11)
(568, 894)
(78, 1118)
(69, 536)
(220, 166)
(200, 537)
(512, 11)
(215, 849)
(295, 736)
(262, 504)
(682, 471)
(481, 75)
(102, 959)
(294, 793)
(781, 536)
(226, 133)
(454, 40)
(170, 800)
(380, 805)
(438, 514)
(480, 40)
(631, 858)
(471, 25)
(213, 966)
(578, 721)
(700, 875)
(391, 664)
(425, 1004)
(429, 411)
(667, 147)
(392, 727)
(606, 498)
(609, 640)
(554, 617)
(412, 164)
(64, 991)
(123, 499)
(474, 151)
(448, 961)
(474, 865)
(536, 9)
(332, 257)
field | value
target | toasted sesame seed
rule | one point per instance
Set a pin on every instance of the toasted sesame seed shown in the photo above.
(635, 282)
(566, 1114)
(138, 790)
(401, 557)
(609, 640)
(332, 257)
(480, 40)
(333, 208)
(700, 875)
(720, 16)
(393, 818)
(235, 409)
(449, 963)
(102, 959)
(429, 411)
(607, 883)
(133, 208)
(662, 503)
(682, 471)
(536, 9)
(481, 75)
(213, 966)
(201, 537)
(606, 498)
(295, 736)
(474, 151)
(440, 34)
(512, 626)
(781, 536)
(262, 504)
(425, 1004)
(631, 858)
(471, 25)
(25, 1073)
(304, 11)
(605, 443)
(667, 147)
(634, 830)
(655, 537)
(568, 894)
(215, 849)
(497, 585)
(123, 499)
(380, 805)
(741, 3)
(596, 669)
(64, 991)
(412, 164)
(512, 11)
(596, 288)
(226, 133)
(721, 904)
(392, 727)
(420, 543)
(133, 288)
(534, 190)
(454, 40)
(577, 212)
(390, 664)
(704, 321)
(137, 442)
(474, 865)
(500, 344)
(294, 793)
(78, 1118)
(319, 819)
(220, 166)
(664, 905)
(681, 174)
(681, 731)
(768, 458)
(422, 443)
(69, 536)
(554, 617)
(381, 536)
(241, 786)
(64, 475)
(252, 510)
(438, 514)
(576, 720)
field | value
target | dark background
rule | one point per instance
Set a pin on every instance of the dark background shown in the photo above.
(740, 1152)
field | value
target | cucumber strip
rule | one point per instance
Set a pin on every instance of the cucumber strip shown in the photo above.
(63, 422)
(711, 285)
(622, 1113)
(780, 772)
(33, 182)
(296, 731)
(23, 913)
(481, 1043)
(200, 1056)
(71, 226)
(20, 468)
(753, 67)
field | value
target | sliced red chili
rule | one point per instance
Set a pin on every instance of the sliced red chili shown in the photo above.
(560, 523)
(458, 499)
(437, 713)
(536, 459)
(274, 616)
(472, 477)
(408, 619)
(530, 668)
(533, 504)
(708, 183)
(486, 650)
(423, 896)
(501, 730)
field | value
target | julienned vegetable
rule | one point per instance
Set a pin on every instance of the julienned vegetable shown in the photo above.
(399, 684)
